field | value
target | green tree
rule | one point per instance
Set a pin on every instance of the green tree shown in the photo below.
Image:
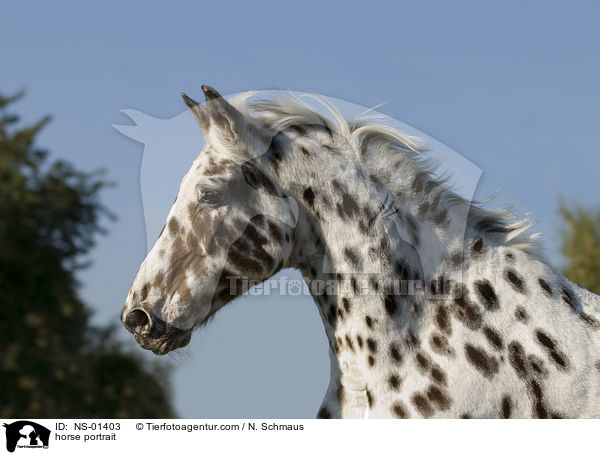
(53, 363)
(581, 245)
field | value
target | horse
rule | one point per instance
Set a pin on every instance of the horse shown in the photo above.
(433, 305)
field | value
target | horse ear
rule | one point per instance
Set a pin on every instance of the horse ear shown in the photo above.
(198, 111)
(223, 115)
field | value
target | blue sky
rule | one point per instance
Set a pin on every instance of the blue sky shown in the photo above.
(512, 86)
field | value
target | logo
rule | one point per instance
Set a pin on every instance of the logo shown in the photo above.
(26, 434)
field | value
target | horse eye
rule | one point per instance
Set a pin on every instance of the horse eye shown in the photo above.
(209, 196)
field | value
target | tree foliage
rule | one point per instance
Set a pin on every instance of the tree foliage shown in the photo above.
(581, 246)
(53, 362)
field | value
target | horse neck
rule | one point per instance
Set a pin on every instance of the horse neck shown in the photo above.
(336, 239)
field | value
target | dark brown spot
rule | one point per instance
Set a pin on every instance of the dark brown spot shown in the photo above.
(370, 398)
(359, 340)
(351, 256)
(174, 226)
(257, 179)
(521, 314)
(346, 304)
(438, 375)
(349, 342)
(487, 295)
(493, 337)
(506, 407)
(371, 360)
(394, 381)
(478, 246)
(440, 344)
(516, 357)
(369, 322)
(464, 310)
(399, 410)
(438, 398)
(546, 287)
(372, 345)
(515, 280)
(567, 297)
(395, 353)
(553, 352)
(309, 196)
(422, 405)
(486, 364)
(422, 361)
(390, 304)
(442, 319)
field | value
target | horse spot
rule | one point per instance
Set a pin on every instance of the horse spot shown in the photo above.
(394, 381)
(567, 297)
(439, 344)
(369, 321)
(515, 280)
(274, 155)
(422, 360)
(359, 340)
(174, 226)
(370, 398)
(493, 337)
(487, 294)
(537, 367)
(521, 314)
(349, 342)
(274, 231)
(304, 151)
(422, 405)
(346, 304)
(371, 360)
(546, 287)
(348, 207)
(506, 406)
(372, 345)
(464, 310)
(257, 180)
(438, 375)
(391, 306)
(352, 256)
(399, 410)
(395, 353)
(516, 357)
(553, 352)
(442, 320)
(309, 196)
(438, 398)
(486, 364)
(477, 247)
(589, 320)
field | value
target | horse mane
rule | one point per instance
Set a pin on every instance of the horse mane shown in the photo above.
(374, 146)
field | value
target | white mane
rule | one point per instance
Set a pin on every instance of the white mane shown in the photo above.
(374, 147)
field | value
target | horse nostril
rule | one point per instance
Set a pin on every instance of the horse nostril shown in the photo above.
(137, 318)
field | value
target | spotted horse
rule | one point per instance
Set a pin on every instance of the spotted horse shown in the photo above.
(440, 308)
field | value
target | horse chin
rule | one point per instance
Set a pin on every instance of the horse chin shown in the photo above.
(165, 344)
